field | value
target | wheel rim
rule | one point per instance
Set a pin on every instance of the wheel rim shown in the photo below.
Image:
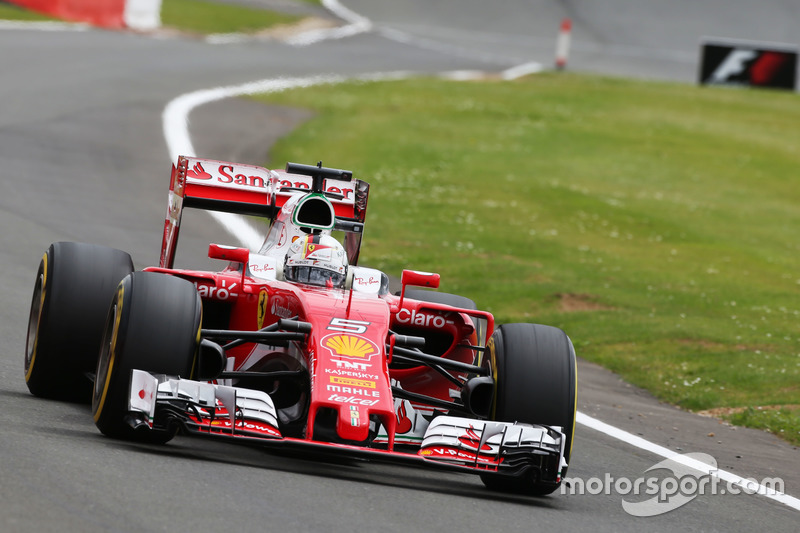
(105, 362)
(33, 324)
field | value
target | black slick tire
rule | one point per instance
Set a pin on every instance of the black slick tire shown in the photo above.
(535, 374)
(74, 285)
(153, 324)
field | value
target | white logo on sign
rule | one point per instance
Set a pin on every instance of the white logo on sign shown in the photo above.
(734, 64)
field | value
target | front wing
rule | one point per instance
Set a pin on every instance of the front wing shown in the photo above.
(249, 416)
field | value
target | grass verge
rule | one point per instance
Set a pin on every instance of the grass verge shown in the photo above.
(656, 223)
(197, 16)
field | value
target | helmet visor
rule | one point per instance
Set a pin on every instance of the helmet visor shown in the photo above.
(315, 276)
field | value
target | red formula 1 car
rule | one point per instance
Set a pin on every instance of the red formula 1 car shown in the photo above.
(298, 346)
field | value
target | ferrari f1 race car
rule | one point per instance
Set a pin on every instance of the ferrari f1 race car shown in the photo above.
(296, 345)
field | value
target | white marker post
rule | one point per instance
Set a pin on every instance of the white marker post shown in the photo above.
(142, 15)
(562, 44)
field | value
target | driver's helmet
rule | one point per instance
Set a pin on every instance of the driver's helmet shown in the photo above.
(316, 260)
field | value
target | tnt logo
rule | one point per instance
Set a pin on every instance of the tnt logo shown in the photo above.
(747, 65)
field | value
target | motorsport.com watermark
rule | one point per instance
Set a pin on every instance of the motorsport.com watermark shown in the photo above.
(671, 491)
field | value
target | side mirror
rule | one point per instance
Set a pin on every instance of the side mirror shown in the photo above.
(416, 278)
(230, 253)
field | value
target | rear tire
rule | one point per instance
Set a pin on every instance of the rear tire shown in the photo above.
(535, 383)
(73, 288)
(153, 325)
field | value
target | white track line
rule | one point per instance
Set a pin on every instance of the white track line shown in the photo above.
(43, 25)
(638, 442)
(439, 46)
(522, 70)
(356, 24)
(175, 120)
(345, 13)
(176, 132)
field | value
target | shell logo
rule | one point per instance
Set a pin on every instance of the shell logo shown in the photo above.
(350, 346)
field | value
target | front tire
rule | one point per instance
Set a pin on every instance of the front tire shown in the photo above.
(74, 285)
(535, 376)
(153, 325)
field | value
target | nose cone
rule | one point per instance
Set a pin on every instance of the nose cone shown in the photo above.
(353, 423)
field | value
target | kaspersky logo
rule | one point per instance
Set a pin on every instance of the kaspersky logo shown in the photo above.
(350, 346)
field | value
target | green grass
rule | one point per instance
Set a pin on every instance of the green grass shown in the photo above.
(656, 223)
(779, 421)
(14, 12)
(202, 17)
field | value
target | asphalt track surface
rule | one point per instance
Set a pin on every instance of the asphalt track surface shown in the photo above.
(83, 158)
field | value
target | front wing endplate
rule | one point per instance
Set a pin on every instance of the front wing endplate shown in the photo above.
(203, 407)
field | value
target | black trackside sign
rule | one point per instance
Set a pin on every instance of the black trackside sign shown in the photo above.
(748, 64)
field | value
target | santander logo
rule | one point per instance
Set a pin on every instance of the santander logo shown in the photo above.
(231, 176)
(197, 172)
(404, 424)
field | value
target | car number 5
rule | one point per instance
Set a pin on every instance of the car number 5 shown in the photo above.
(348, 326)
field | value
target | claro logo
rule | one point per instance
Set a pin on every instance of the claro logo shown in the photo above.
(414, 318)
(212, 292)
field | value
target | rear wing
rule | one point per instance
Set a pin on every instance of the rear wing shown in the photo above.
(256, 191)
